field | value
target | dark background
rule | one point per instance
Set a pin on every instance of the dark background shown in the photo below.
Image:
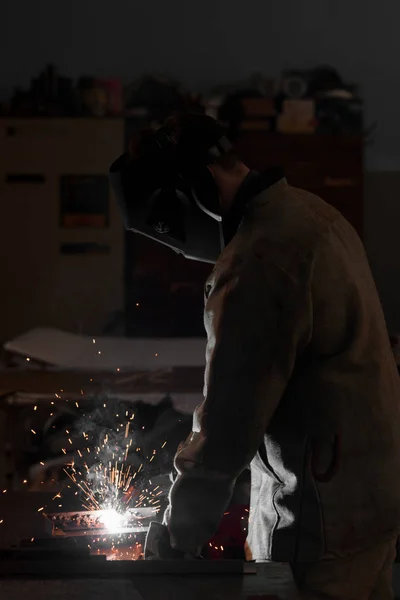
(213, 42)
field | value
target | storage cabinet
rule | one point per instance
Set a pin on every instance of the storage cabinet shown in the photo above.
(329, 166)
(61, 234)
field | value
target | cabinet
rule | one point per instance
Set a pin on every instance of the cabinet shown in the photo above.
(329, 166)
(61, 234)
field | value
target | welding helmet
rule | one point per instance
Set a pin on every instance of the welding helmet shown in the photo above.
(165, 190)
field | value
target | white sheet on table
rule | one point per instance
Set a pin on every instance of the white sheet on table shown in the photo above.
(79, 352)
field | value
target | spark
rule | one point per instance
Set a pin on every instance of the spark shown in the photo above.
(94, 341)
(156, 354)
(42, 463)
(32, 539)
(137, 304)
(109, 486)
(25, 481)
(1, 521)
(33, 431)
(28, 359)
(40, 509)
(99, 352)
(35, 407)
(77, 404)
(164, 444)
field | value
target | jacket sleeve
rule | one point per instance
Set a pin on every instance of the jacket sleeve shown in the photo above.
(257, 319)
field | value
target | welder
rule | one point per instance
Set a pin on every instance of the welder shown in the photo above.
(300, 380)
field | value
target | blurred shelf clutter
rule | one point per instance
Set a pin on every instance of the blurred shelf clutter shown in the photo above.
(298, 101)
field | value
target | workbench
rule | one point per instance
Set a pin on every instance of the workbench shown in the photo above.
(98, 578)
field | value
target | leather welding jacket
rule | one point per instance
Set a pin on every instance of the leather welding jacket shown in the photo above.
(300, 383)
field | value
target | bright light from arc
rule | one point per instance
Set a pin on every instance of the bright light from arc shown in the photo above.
(112, 520)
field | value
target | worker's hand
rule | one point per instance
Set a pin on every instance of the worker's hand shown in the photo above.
(158, 545)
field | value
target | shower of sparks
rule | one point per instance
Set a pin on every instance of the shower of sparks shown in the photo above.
(113, 482)
(109, 472)
(109, 488)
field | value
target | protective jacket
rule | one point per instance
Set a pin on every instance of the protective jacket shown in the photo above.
(300, 383)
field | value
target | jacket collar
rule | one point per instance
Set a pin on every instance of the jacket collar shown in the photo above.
(253, 185)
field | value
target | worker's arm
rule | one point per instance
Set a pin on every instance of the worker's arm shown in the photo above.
(258, 320)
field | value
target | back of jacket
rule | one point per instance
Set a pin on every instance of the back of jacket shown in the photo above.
(301, 383)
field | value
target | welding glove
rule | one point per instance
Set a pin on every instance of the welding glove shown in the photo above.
(158, 545)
